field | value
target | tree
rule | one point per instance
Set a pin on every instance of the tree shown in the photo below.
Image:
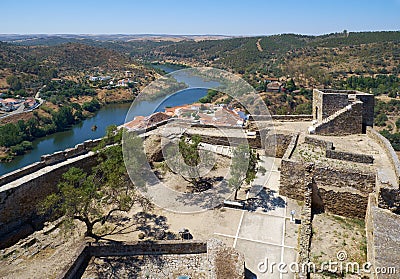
(381, 119)
(10, 135)
(14, 83)
(243, 167)
(398, 123)
(187, 161)
(63, 118)
(290, 85)
(92, 198)
(91, 106)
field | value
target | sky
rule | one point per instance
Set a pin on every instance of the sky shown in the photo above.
(191, 17)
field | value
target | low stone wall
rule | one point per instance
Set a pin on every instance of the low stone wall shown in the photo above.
(50, 159)
(231, 141)
(330, 152)
(343, 192)
(348, 156)
(305, 232)
(385, 144)
(323, 144)
(291, 117)
(214, 249)
(291, 147)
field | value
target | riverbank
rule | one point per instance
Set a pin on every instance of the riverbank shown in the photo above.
(116, 113)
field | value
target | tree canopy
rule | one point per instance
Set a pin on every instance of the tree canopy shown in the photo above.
(93, 197)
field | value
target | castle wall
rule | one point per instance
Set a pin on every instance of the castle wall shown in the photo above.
(332, 103)
(385, 144)
(349, 156)
(19, 199)
(347, 122)
(331, 153)
(50, 159)
(343, 192)
(368, 108)
(383, 239)
(389, 199)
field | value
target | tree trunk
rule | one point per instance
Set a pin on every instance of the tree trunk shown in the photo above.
(89, 230)
(236, 192)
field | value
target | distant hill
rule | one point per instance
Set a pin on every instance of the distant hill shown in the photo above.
(54, 39)
(64, 56)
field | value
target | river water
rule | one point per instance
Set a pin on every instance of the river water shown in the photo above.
(108, 115)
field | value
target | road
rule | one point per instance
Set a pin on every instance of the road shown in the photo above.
(21, 108)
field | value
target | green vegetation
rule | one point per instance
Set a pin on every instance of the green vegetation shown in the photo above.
(59, 92)
(17, 137)
(91, 106)
(393, 138)
(381, 84)
(211, 94)
(243, 167)
(93, 197)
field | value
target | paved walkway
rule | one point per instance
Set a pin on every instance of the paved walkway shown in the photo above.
(264, 233)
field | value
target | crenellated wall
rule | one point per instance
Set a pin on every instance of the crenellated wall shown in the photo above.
(50, 159)
(24, 189)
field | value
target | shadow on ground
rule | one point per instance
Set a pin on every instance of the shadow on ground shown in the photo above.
(266, 200)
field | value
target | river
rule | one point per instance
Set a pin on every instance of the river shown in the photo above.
(108, 115)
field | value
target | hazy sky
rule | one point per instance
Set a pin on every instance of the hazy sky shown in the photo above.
(257, 17)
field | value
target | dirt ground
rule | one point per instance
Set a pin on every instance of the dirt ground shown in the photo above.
(177, 183)
(115, 95)
(43, 254)
(335, 237)
(14, 118)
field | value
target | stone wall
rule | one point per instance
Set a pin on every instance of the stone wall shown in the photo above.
(383, 240)
(276, 145)
(388, 148)
(389, 199)
(369, 229)
(291, 147)
(346, 121)
(215, 250)
(331, 103)
(231, 141)
(305, 232)
(50, 159)
(342, 191)
(323, 144)
(19, 200)
(328, 102)
(317, 105)
(292, 117)
(349, 156)
(330, 151)
(368, 108)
